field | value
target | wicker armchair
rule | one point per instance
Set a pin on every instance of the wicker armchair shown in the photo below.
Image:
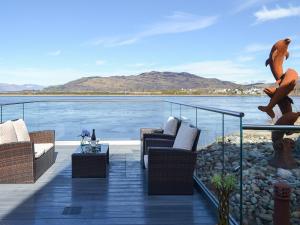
(154, 133)
(18, 163)
(170, 170)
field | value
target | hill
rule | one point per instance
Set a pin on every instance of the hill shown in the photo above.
(150, 81)
(15, 88)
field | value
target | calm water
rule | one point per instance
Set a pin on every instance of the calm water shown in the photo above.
(121, 117)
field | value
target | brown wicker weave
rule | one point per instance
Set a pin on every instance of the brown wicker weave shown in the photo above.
(45, 136)
(90, 165)
(17, 160)
(157, 133)
(144, 131)
(170, 170)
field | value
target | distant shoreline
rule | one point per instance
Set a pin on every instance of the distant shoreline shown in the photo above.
(123, 95)
(157, 94)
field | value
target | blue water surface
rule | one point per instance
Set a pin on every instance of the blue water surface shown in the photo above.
(121, 117)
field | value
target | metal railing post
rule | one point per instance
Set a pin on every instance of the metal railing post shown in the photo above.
(1, 113)
(180, 111)
(241, 170)
(196, 117)
(23, 116)
(223, 145)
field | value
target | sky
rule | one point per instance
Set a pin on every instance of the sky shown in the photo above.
(56, 41)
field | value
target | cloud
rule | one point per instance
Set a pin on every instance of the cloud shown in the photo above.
(178, 22)
(245, 58)
(141, 65)
(246, 4)
(100, 62)
(296, 55)
(295, 47)
(222, 69)
(112, 42)
(252, 48)
(55, 53)
(266, 14)
(266, 47)
(41, 76)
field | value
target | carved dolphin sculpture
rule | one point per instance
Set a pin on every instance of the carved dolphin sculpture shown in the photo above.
(285, 105)
(287, 119)
(278, 52)
(286, 85)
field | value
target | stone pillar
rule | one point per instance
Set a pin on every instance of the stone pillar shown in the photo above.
(281, 215)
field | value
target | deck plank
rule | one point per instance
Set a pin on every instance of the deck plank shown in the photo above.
(121, 198)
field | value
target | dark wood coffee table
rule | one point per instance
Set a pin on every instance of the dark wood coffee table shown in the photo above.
(90, 163)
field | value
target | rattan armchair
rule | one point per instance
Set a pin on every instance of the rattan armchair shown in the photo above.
(17, 160)
(154, 133)
(170, 170)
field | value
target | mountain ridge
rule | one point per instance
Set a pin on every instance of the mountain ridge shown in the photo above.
(148, 81)
(5, 87)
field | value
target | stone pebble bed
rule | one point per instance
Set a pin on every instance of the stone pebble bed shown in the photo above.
(258, 176)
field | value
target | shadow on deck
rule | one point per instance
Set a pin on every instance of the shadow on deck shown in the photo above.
(121, 198)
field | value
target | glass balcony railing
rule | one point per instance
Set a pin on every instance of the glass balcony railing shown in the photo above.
(226, 145)
(112, 119)
(263, 169)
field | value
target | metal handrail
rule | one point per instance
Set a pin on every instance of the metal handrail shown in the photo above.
(75, 100)
(271, 127)
(211, 109)
(64, 100)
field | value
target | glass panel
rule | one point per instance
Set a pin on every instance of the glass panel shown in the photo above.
(113, 120)
(219, 153)
(175, 110)
(188, 115)
(12, 112)
(260, 174)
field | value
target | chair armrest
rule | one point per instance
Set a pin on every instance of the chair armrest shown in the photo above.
(17, 162)
(45, 136)
(151, 130)
(144, 131)
(163, 149)
(160, 136)
(158, 130)
(11, 149)
(154, 142)
(164, 157)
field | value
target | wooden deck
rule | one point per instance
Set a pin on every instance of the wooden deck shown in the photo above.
(121, 198)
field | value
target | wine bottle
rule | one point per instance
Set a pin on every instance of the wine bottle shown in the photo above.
(93, 139)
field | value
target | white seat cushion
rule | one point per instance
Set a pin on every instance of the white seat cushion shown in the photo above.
(7, 133)
(171, 126)
(146, 161)
(185, 137)
(40, 149)
(38, 152)
(21, 130)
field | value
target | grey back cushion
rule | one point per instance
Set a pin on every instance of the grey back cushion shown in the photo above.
(171, 126)
(185, 137)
